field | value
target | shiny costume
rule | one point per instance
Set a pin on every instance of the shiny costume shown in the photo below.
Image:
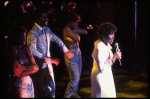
(39, 40)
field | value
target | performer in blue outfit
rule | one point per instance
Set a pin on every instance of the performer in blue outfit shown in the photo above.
(39, 39)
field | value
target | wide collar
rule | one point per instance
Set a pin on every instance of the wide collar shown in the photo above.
(38, 26)
(109, 46)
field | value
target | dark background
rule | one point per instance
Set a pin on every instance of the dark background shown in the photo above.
(122, 14)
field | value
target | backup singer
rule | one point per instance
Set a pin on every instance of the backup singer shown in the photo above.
(23, 64)
(102, 82)
(38, 39)
(71, 39)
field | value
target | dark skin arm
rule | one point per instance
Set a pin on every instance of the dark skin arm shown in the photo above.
(20, 70)
(79, 31)
(30, 69)
(49, 60)
(16, 67)
(68, 32)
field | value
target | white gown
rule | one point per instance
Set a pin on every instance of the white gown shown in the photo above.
(102, 84)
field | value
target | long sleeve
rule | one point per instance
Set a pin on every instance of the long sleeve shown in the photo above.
(103, 55)
(58, 42)
(32, 43)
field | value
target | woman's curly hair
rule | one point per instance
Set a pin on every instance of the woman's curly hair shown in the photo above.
(106, 29)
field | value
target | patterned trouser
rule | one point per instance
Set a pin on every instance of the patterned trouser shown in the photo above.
(23, 87)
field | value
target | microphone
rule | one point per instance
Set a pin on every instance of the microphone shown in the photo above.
(117, 48)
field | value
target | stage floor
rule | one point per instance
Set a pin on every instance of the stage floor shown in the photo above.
(129, 83)
(127, 86)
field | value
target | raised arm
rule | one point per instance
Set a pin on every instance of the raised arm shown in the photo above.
(79, 31)
(70, 33)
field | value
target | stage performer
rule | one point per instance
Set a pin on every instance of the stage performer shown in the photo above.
(23, 64)
(39, 39)
(102, 82)
(71, 39)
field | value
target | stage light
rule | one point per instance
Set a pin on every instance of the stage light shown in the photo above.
(5, 37)
(90, 27)
(5, 4)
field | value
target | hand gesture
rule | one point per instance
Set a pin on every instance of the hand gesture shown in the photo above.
(69, 54)
(18, 69)
(51, 60)
(55, 61)
(36, 68)
(117, 55)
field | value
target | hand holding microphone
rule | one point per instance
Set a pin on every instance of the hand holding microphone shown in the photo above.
(117, 54)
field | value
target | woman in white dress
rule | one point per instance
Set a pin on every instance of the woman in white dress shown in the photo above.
(102, 82)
